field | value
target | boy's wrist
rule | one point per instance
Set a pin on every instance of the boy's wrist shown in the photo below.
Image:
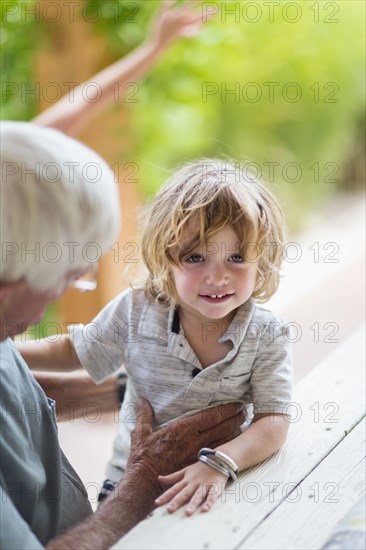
(220, 461)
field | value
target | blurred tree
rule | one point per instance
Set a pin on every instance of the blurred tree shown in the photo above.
(277, 85)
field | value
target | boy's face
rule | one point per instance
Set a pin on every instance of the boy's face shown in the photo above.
(215, 280)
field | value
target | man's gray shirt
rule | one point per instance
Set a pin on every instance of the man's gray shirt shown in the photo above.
(41, 494)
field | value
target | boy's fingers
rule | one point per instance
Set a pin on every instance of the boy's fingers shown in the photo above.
(206, 507)
(183, 497)
(195, 501)
(172, 478)
(213, 494)
(170, 493)
(212, 497)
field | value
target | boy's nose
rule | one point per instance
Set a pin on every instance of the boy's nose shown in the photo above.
(217, 276)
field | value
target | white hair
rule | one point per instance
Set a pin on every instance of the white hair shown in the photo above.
(59, 205)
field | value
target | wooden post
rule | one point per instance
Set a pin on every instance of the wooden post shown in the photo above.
(74, 53)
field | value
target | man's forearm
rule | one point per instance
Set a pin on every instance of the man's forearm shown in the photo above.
(152, 453)
(131, 502)
(73, 392)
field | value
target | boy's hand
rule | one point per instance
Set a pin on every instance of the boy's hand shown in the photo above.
(197, 484)
(176, 446)
(173, 21)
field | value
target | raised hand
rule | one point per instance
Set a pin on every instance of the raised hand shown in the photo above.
(173, 21)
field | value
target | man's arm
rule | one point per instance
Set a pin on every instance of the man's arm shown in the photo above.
(171, 23)
(45, 355)
(73, 392)
(152, 453)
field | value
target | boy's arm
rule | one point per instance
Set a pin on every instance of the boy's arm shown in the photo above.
(263, 438)
(53, 355)
(73, 111)
(200, 484)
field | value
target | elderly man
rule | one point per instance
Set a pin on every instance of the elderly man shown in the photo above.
(57, 199)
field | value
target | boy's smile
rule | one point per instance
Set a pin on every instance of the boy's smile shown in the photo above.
(216, 298)
(214, 281)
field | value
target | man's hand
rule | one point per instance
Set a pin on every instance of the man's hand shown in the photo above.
(152, 453)
(169, 449)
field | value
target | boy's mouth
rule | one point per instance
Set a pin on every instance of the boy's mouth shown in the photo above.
(216, 298)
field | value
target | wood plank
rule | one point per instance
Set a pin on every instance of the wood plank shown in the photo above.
(328, 403)
(308, 516)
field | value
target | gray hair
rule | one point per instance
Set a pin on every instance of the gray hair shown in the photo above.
(59, 207)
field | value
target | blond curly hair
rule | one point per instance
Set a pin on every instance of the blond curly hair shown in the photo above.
(213, 194)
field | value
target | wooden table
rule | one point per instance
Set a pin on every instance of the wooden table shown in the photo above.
(295, 499)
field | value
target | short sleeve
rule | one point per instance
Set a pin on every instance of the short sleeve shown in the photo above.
(272, 374)
(100, 344)
(15, 533)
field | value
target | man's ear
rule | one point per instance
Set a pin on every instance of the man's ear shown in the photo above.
(9, 288)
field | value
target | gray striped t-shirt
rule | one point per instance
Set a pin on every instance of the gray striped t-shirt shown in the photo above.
(163, 368)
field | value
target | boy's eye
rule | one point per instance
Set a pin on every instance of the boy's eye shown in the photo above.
(194, 258)
(236, 258)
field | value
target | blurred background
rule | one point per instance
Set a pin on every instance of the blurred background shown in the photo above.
(278, 86)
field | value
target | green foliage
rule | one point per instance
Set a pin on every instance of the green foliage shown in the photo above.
(20, 40)
(47, 327)
(172, 121)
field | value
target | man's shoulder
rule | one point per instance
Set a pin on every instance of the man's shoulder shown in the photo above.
(10, 358)
(7, 359)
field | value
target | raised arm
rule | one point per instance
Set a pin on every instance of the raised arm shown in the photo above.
(73, 111)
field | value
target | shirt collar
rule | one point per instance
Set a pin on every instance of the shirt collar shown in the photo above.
(239, 325)
(158, 322)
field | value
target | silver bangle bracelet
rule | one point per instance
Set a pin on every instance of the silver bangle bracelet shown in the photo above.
(205, 451)
(227, 459)
(219, 459)
(228, 463)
